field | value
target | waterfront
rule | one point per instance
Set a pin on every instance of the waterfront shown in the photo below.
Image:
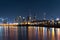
(30, 33)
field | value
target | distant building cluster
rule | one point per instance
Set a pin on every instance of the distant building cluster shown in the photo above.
(20, 19)
(32, 20)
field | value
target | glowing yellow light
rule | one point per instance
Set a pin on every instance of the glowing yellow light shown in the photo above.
(58, 21)
(29, 23)
(52, 31)
(25, 22)
(53, 38)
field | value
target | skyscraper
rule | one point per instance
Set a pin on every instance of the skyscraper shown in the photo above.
(18, 19)
(4, 21)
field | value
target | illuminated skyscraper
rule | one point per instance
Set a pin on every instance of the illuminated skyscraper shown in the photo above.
(18, 19)
(4, 21)
(34, 18)
(24, 19)
(28, 18)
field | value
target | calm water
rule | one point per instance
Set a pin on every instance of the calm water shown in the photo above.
(30, 33)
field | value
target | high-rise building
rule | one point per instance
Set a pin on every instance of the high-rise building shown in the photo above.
(4, 21)
(34, 18)
(18, 19)
(24, 19)
(29, 18)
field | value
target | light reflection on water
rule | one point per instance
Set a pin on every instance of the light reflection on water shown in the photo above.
(30, 33)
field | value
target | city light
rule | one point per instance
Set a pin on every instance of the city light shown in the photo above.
(57, 19)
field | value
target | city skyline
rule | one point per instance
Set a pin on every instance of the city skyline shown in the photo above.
(29, 19)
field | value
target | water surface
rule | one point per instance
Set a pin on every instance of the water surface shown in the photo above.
(29, 33)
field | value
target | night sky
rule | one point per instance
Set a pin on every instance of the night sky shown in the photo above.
(13, 8)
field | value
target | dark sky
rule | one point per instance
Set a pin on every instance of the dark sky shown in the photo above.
(13, 8)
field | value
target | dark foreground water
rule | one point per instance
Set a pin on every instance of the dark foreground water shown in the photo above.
(28, 33)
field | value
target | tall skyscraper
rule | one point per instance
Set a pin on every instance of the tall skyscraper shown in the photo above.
(4, 21)
(24, 19)
(18, 19)
(28, 18)
(34, 18)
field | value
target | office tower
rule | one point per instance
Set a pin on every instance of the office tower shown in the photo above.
(18, 19)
